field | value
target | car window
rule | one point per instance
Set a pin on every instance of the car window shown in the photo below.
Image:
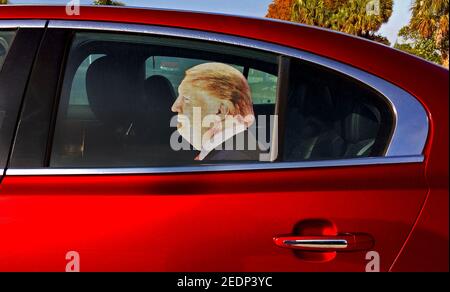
(6, 38)
(329, 116)
(78, 94)
(262, 84)
(173, 68)
(126, 99)
(150, 101)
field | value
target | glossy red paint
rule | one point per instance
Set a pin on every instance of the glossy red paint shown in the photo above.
(427, 247)
(427, 82)
(197, 222)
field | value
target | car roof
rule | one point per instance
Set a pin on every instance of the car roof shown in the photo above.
(58, 11)
(380, 60)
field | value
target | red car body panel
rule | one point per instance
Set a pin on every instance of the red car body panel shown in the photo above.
(431, 229)
(226, 221)
(197, 222)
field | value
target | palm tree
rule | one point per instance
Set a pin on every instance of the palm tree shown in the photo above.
(353, 18)
(311, 12)
(280, 9)
(108, 2)
(349, 16)
(430, 19)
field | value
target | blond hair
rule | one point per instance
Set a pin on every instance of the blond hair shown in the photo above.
(224, 82)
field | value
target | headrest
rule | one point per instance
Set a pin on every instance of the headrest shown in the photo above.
(159, 93)
(154, 112)
(362, 124)
(318, 101)
(110, 90)
(296, 96)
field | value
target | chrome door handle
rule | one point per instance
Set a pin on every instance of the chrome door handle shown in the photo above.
(345, 242)
(317, 243)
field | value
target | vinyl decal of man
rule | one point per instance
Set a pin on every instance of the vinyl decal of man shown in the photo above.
(214, 107)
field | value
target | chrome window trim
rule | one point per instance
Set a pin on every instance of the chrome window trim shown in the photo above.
(410, 123)
(28, 23)
(216, 167)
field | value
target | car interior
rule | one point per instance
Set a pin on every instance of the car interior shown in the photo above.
(332, 117)
(111, 132)
(328, 116)
(6, 38)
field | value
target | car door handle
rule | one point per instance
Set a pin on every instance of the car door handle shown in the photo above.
(344, 242)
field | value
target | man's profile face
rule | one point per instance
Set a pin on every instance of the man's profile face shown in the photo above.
(192, 97)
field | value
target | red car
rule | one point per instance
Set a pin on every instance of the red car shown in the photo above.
(355, 134)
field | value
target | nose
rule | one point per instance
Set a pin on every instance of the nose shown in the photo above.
(176, 107)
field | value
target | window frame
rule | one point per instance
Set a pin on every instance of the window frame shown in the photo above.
(406, 144)
(14, 76)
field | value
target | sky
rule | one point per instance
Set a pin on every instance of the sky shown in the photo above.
(400, 17)
(258, 8)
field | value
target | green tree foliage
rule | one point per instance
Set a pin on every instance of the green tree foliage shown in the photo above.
(4, 2)
(108, 2)
(357, 17)
(427, 34)
(414, 44)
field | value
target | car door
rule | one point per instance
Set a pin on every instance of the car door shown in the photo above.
(339, 188)
(19, 41)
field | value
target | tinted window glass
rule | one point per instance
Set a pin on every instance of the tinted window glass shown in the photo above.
(121, 93)
(331, 117)
(262, 84)
(173, 68)
(78, 94)
(6, 38)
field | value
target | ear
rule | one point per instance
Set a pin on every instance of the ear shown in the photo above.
(224, 109)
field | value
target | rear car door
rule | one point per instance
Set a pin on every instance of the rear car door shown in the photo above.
(91, 169)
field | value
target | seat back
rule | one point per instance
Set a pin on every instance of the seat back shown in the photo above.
(360, 129)
(112, 94)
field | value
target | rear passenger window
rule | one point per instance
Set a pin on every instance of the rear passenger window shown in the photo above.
(173, 68)
(135, 101)
(263, 85)
(329, 116)
(150, 101)
(6, 38)
(7, 108)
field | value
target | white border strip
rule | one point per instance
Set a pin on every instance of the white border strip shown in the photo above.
(28, 23)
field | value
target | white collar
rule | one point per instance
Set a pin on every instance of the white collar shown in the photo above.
(219, 138)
